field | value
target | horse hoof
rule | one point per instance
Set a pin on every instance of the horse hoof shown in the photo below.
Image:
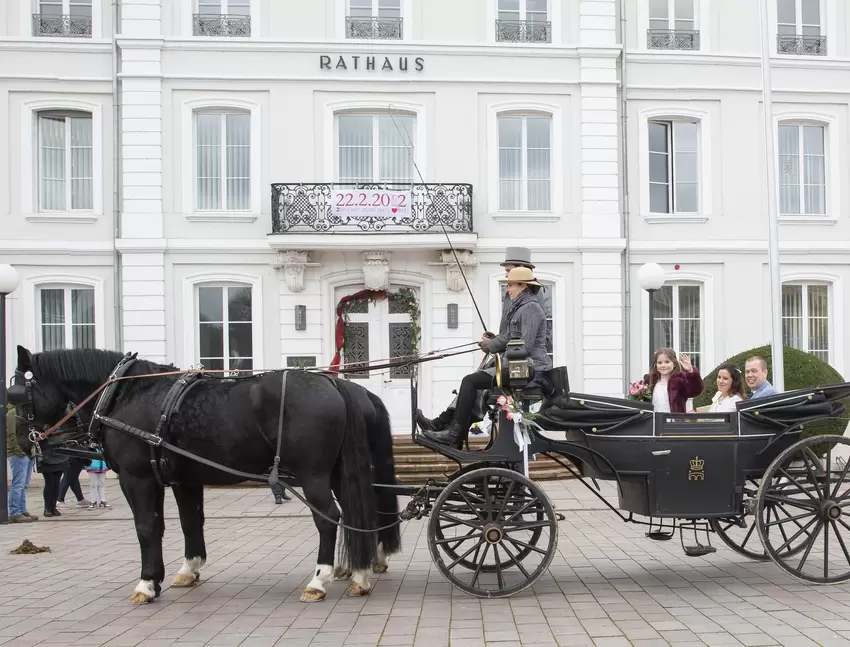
(313, 595)
(342, 574)
(181, 581)
(356, 591)
(380, 568)
(140, 598)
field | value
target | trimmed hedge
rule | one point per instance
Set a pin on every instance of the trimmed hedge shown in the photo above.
(802, 370)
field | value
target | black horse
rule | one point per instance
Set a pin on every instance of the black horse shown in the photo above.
(336, 440)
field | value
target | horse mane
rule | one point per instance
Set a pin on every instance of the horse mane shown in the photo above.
(90, 365)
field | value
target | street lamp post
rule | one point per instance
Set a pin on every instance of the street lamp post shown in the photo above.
(8, 284)
(651, 277)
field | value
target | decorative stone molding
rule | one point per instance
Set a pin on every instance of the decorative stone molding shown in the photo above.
(454, 275)
(376, 270)
(293, 263)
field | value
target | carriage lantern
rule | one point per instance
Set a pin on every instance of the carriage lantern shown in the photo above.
(517, 370)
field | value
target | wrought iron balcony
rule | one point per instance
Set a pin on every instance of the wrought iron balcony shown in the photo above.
(222, 25)
(310, 208)
(675, 39)
(801, 45)
(523, 31)
(61, 26)
(374, 28)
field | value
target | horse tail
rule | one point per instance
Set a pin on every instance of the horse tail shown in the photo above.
(356, 495)
(383, 464)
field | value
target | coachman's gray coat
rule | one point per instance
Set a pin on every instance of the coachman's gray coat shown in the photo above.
(526, 318)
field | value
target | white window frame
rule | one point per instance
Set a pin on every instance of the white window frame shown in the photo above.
(31, 297)
(375, 7)
(553, 15)
(30, 7)
(706, 169)
(804, 314)
(376, 147)
(671, 14)
(330, 145)
(189, 180)
(560, 187)
(832, 173)
(222, 115)
(707, 315)
(191, 339)
(340, 13)
(68, 152)
(524, 116)
(798, 18)
(69, 324)
(30, 158)
(828, 27)
(835, 288)
(702, 17)
(671, 183)
(191, 8)
(801, 165)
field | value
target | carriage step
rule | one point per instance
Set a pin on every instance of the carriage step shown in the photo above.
(458, 455)
(657, 535)
(699, 551)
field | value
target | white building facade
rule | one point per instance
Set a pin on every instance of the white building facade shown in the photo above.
(181, 178)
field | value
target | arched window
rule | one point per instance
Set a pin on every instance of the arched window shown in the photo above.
(65, 161)
(806, 317)
(678, 319)
(525, 161)
(66, 316)
(374, 146)
(224, 323)
(802, 166)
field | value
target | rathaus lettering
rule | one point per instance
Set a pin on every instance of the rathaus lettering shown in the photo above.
(371, 63)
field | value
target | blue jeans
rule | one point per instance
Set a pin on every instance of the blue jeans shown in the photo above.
(21, 467)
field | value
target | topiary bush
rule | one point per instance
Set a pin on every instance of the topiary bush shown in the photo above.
(802, 370)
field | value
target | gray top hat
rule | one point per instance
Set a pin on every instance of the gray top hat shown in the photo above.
(518, 256)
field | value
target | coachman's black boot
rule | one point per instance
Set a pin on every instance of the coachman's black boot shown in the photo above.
(454, 435)
(426, 423)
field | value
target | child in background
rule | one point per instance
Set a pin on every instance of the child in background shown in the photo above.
(97, 484)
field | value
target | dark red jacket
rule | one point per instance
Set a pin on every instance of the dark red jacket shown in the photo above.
(680, 387)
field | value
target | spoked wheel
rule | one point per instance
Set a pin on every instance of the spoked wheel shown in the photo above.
(492, 532)
(808, 485)
(746, 541)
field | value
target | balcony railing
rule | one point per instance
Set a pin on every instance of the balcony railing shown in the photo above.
(61, 26)
(205, 24)
(674, 39)
(801, 45)
(374, 28)
(310, 208)
(523, 31)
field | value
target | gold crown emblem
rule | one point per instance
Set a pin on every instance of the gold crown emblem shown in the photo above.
(697, 464)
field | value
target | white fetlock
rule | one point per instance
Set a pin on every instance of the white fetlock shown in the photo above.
(189, 573)
(144, 592)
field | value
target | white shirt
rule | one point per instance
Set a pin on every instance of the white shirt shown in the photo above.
(660, 397)
(726, 405)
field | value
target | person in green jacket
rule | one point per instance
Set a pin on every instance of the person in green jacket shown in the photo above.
(20, 466)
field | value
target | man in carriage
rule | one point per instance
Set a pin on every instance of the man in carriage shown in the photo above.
(514, 257)
(524, 319)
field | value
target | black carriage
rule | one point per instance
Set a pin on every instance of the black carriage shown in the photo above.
(493, 532)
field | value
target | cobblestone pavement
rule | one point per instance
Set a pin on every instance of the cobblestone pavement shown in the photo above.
(608, 586)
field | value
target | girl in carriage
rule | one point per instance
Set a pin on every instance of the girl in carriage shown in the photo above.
(672, 380)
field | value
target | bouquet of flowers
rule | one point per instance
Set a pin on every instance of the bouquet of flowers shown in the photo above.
(640, 391)
(512, 410)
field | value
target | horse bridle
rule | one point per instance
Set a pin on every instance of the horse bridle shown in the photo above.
(19, 394)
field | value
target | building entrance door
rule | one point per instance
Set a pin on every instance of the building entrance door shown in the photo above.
(377, 332)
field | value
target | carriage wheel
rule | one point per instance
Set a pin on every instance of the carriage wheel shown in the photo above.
(808, 485)
(492, 532)
(746, 541)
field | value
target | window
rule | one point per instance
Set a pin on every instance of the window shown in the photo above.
(672, 25)
(65, 174)
(677, 320)
(223, 18)
(66, 18)
(805, 318)
(222, 160)
(525, 163)
(798, 23)
(673, 167)
(66, 317)
(523, 21)
(374, 19)
(545, 297)
(374, 148)
(225, 328)
(802, 169)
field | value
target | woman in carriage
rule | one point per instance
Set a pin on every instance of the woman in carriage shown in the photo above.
(526, 320)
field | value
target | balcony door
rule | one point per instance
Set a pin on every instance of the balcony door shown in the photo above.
(375, 333)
